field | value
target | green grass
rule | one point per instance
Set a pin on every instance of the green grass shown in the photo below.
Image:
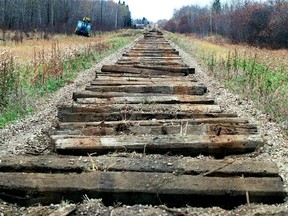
(7, 117)
(15, 112)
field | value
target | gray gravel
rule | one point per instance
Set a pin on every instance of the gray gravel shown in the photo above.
(31, 136)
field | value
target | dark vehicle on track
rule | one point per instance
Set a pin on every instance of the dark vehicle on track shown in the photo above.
(84, 27)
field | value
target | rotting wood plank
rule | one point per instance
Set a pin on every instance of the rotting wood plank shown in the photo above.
(153, 63)
(148, 76)
(115, 82)
(129, 116)
(155, 122)
(140, 54)
(154, 44)
(153, 60)
(158, 49)
(158, 54)
(172, 108)
(149, 71)
(159, 60)
(166, 75)
(216, 126)
(165, 129)
(164, 68)
(151, 52)
(153, 79)
(106, 77)
(150, 58)
(143, 99)
(147, 81)
(119, 82)
(153, 40)
(151, 49)
(143, 187)
(185, 144)
(189, 89)
(122, 69)
(181, 165)
(107, 95)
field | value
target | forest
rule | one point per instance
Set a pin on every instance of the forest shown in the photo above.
(251, 22)
(60, 16)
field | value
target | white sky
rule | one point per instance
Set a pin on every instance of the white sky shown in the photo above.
(154, 10)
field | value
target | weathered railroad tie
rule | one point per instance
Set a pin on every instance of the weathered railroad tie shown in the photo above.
(122, 137)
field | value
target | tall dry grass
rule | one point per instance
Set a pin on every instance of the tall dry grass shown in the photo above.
(46, 66)
(258, 74)
(9, 78)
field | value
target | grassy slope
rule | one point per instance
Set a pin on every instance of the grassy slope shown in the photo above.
(259, 74)
(35, 68)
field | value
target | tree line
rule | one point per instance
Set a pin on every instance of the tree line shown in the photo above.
(60, 16)
(242, 21)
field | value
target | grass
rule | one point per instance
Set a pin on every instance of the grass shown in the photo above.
(258, 74)
(29, 71)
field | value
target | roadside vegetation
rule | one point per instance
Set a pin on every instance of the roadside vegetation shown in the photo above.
(257, 23)
(243, 44)
(257, 74)
(35, 68)
(47, 17)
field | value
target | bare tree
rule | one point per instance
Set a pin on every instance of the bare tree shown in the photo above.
(243, 21)
(61, 15)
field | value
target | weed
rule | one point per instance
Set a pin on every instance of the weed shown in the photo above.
(9, 78)
(64, 202)
(86, 198)
(48, 69)
(94, 166)
(252, 73)
(183, 129)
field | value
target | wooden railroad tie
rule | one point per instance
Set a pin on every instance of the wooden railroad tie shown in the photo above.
(194, 181)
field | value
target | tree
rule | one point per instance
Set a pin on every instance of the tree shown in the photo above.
(61, 16)
(216, 9)
(216, 6)
(243, 21)
(276, 33)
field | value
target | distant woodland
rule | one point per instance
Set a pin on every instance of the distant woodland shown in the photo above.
(241, 21)
(60, 16)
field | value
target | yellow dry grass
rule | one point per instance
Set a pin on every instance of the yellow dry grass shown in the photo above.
(274, 59)
(25, 51)
(257, 73)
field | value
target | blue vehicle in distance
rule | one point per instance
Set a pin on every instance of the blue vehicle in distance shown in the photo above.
(84, 27)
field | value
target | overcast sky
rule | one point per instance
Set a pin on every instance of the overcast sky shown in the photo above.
(154, 10)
